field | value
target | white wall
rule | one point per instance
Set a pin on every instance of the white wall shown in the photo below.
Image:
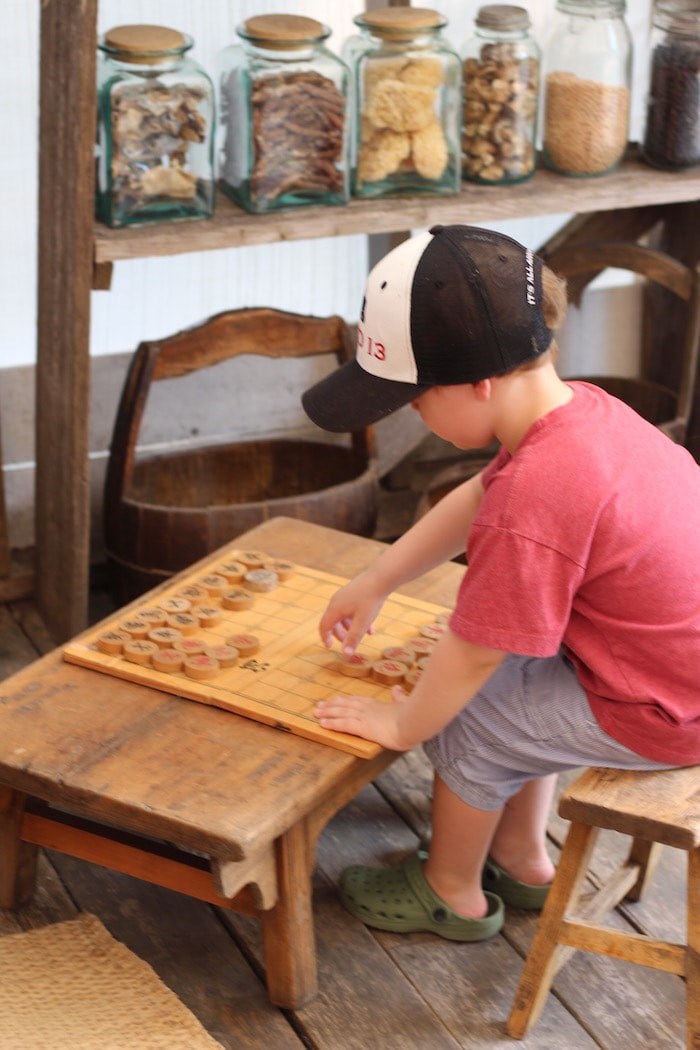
(155, 297)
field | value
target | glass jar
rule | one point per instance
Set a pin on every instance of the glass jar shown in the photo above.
(587, 78)
(672, 130)
(284, 116)
(155, 135)
(408, 101)
(501, 75)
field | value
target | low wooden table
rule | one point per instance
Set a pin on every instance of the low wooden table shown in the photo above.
(181, 794)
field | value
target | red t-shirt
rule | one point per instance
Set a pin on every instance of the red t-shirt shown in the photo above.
(589, 538)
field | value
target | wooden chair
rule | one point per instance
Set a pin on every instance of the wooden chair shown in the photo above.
(667, 404)
(163, 512)
(657, 808)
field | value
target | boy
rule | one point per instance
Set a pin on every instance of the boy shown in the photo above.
(575, 639)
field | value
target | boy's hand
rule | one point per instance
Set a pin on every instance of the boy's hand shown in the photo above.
(362, 716)
(350, 613)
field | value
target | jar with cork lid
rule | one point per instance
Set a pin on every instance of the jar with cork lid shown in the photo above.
(586, 81)
(501, 86)
(672, 128)
(284, 116)
(155, 135)
(408, 100)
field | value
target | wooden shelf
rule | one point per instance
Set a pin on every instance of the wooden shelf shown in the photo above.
(635, 184)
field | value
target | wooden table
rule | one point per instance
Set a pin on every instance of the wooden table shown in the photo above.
(181, 794)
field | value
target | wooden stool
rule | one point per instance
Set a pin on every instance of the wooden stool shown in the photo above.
(656, 808)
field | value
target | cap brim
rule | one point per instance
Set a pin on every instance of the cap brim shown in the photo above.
(350, 398)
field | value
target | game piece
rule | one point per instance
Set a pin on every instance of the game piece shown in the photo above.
(247, 644)
(164, 637)
(112, 642)
(140, 651)
(214, 584)
(443, 617)
(190, 646)
(411, 678)
(201, 667)
(207, 615)
(400, 653)
(169, 661)
(184, 622)
(232, 571)
(433, 631)
(238, 598)
(421, 646)
(355, 665)
(261, 580)
(283, 569)
(175, 605)
(194, 593)
(153, 617)
(389, 672)
(226, 655)
(135, 627)
(252, 559)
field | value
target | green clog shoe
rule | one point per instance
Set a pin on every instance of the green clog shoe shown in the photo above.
(512, 891)
(401, 901)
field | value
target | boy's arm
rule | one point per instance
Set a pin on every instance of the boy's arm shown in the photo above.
(434, 539)
(456, 671)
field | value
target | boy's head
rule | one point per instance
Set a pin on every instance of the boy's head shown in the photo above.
(456, 304)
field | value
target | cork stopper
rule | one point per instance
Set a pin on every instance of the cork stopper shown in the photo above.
(145, 44)
(282, 32)
(400, 23)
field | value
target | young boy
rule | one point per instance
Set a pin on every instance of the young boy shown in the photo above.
(575, 639)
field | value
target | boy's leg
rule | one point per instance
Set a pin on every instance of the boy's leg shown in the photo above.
(519, 842)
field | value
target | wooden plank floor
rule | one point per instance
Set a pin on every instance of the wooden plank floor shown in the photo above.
(379, 991)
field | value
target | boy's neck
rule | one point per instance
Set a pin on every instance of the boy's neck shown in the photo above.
(524, 397)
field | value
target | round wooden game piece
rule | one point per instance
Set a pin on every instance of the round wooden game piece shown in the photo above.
(208, 615)
(112, 642)
(238, 598)
(164, 637)
(226, 655)
(135, 627)
(421, 646)
(233, 571)
(388, 672)
(443, 617)
(422, 663)
(140, 651)
(283, 569)
(189, 646)
(168, 660)
(247, 644)
(355, 665)
(400, 653)
(175, 605)
(261, 580)
(154, 617)
(214, 584)
(252, 559)
(184, 622)
(201, 667)
(411, 678)
(193, 593)
(433, 631)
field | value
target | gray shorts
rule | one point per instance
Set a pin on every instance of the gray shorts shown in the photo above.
(531, 718)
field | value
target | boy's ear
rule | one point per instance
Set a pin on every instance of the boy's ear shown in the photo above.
(482, 390)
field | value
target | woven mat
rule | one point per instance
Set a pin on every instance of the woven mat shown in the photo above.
(71, 986)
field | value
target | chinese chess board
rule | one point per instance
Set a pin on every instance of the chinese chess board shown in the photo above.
(279, 668)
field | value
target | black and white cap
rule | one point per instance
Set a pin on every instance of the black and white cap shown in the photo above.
(455, 304)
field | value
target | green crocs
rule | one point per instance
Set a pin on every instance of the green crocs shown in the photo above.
(401, 901)
(512, 891)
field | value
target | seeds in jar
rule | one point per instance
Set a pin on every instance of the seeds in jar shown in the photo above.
(500, 105)
(586, 124)
(672, 134)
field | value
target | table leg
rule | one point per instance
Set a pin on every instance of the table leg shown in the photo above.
(288, 932)
(18, 860)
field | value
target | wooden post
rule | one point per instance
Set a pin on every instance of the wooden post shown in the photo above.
(66, 187)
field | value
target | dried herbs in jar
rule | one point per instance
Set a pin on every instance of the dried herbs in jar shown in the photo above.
(284, 116)
(155, 149)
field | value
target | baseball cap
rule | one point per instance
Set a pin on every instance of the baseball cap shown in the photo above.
(454, 304)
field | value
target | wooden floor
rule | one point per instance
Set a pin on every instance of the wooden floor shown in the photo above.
(378, 991)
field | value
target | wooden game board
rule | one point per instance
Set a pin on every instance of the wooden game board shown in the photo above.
(281, 683)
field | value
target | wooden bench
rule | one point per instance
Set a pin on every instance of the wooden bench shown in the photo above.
(655, 809)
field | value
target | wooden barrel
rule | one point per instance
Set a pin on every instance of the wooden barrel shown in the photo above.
(180, 507)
